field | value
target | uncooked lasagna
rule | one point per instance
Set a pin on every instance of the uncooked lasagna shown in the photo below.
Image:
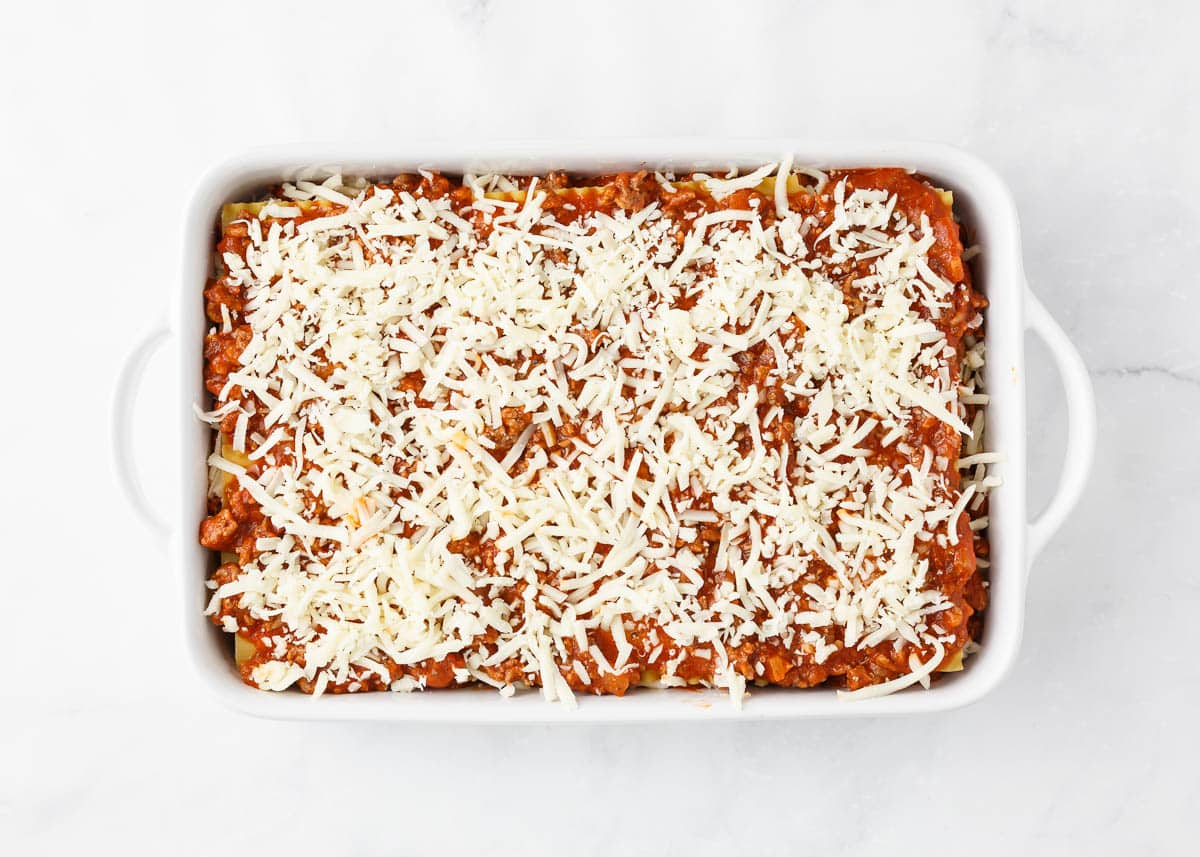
(591, 433)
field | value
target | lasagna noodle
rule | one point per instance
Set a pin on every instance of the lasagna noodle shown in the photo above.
(234, 211)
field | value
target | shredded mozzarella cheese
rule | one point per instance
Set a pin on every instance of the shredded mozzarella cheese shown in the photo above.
(416, 374)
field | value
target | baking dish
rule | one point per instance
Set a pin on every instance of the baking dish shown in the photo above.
(984, 204)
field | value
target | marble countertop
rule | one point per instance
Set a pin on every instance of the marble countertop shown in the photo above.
(1088, 111)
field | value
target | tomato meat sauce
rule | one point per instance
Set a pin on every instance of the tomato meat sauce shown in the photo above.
(235, 523)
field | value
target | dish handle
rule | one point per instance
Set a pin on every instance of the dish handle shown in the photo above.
(1081, 428)
(129, 381)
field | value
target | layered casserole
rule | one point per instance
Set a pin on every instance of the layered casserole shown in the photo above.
(591, 433)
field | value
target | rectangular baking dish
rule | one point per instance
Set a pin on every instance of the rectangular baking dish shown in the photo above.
(983, 204)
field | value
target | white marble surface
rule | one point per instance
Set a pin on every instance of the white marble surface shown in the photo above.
(1088, 109)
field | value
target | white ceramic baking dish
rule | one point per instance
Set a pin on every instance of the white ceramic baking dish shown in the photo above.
(985, 205)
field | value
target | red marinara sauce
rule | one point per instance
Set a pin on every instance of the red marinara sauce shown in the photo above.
(236, 523)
